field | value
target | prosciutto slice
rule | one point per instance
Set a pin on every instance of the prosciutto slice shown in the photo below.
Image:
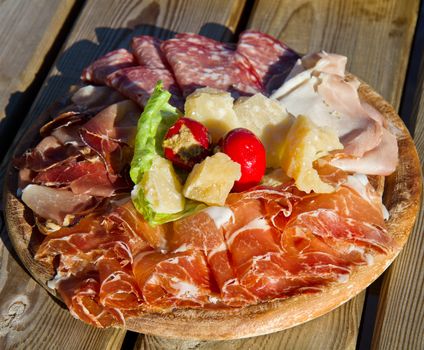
(81, 296)
(202, 233)
(98, 71)
(173, 280)
(84, 177)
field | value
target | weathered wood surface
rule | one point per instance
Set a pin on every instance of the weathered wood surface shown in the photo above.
(28, 30)
(401, 309)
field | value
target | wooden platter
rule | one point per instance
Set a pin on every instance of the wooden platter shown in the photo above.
(401, 197)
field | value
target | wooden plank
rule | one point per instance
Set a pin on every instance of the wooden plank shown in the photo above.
(376, 35)
(29, 317)
(400, 313)
(335, 326)
(25, 40)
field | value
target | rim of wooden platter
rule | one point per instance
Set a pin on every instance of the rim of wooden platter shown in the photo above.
(401, 196)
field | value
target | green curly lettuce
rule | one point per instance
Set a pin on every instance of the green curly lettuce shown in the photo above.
(158, 116)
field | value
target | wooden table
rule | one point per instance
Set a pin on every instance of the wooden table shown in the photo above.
(46, 43)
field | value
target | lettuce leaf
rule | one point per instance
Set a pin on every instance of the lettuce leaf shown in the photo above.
(158, 116)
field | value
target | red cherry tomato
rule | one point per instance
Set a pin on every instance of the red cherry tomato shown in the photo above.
(186, 143)
(243, 147)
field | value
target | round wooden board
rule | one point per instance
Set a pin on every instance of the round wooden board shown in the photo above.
(401, 197)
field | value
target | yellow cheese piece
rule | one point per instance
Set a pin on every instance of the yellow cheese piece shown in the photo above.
(214, 109)
(305, 143)
(211, 181)
(162, 187)
(268, 120)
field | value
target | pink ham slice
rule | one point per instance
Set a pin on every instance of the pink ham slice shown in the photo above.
(333, 101)
(198, 61)
(98, 71)
(270, 59)
(55, 204)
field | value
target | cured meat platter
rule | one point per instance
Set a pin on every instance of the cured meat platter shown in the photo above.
(179, 314)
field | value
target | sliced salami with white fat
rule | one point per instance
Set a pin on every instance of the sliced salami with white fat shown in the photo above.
(270, 59)
(148, 53)
(198, 61)
(111, 62)
(138, 83)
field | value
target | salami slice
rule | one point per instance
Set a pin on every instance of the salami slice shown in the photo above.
(269, 58)
(138, 83)
(198, 61)
(148, 53)
(98, 71)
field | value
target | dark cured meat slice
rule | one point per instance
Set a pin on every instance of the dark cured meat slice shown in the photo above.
(84, 177)
(117, 122)
(148, 52)
(47, 153)
(107, 64)
(271, 59)
(138, 83)
(198, 61)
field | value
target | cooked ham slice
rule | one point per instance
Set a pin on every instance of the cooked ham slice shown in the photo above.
(44, 201)
(93, 97)
(98, 71)
(317, 87)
